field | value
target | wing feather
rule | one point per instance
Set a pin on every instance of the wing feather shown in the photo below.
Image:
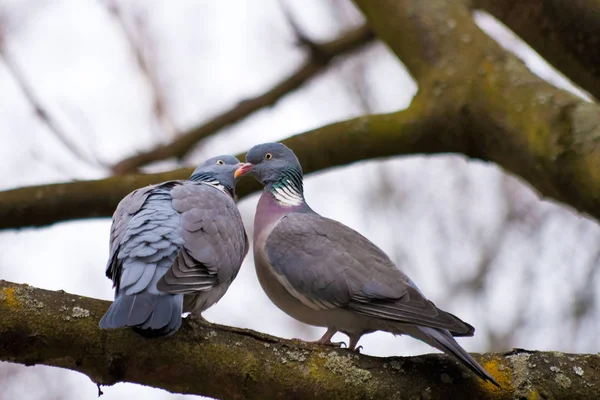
(214, 240)
(327, 265)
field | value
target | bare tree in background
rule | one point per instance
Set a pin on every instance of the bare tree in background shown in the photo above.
(474, 99)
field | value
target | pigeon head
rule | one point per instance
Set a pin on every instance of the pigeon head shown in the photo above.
(277, 168)
(271, 163)
(218, 170)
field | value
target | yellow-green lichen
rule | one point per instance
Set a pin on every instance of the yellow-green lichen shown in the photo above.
(501, 374)
(250, 367)
(7, 295)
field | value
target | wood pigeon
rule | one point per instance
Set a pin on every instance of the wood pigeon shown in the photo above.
(175, 247)
(324, 273)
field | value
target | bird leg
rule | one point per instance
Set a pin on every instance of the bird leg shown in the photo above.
(196, 320)
(354, 338)
(325, 340)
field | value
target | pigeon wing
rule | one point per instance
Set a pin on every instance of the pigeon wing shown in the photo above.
(214, 240)
(328, 265)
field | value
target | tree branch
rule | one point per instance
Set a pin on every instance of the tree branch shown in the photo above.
(428, 36)
(517, 139)
(341, 143)
(511, 117)
(60, 329)
(318, 61)
(41, 110)
(159, 103)
(500, 113)
(565, 33)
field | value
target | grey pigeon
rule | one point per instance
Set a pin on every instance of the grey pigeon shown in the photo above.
(324, 273)
(175, 247)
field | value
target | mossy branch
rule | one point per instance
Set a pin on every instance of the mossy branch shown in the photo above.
(565, 33)
(474, 98)
(552, 143)
(509, 116)
(333, 145)
(60, 329)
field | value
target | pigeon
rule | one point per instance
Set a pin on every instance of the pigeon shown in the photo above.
(175, 247)
(325, 274)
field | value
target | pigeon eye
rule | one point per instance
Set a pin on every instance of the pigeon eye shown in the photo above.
(220, 162)
(268, 156)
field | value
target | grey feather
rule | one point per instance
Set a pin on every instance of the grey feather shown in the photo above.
(443, 341)
(331, 265)
(215, 241)
(190, 233)
(324, 273)
(135, 264)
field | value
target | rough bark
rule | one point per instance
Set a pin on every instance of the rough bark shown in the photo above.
(320, 57)
(565, 33)
(548, 138)
(404, 132)
(510, 117)
(60, 329)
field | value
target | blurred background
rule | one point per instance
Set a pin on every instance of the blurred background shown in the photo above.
(85, 84)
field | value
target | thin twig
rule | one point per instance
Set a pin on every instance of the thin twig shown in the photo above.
(320, 57)
(42, 112)
(159, 102)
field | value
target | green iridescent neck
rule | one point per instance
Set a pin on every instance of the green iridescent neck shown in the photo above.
(288, 189)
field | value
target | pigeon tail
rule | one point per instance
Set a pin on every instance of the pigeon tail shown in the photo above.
(443, 340)
(148, 314)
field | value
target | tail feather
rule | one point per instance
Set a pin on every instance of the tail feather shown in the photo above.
(149, 315)
(444, 341)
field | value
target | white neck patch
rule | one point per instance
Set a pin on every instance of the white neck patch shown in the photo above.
(288, 196)
(216, 184)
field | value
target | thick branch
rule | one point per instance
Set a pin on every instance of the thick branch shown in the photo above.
(480, 101)
(60, 329)
(423, 34)
(565, 33)
(320, 57)
(341, 143)
(511, 117)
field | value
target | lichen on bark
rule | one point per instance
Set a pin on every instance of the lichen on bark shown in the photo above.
(56, 328)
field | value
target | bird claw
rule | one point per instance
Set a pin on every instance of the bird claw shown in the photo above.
(340, 344)
(357, 349)
(196, 320)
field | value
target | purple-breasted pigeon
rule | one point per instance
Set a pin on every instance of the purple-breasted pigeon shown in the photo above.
(175, 247)
(324, 273)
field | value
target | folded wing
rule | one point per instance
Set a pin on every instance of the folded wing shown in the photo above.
(144, 242)
(214, 241)
(327, 265)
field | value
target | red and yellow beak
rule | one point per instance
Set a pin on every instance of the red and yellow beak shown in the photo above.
(243, 170)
